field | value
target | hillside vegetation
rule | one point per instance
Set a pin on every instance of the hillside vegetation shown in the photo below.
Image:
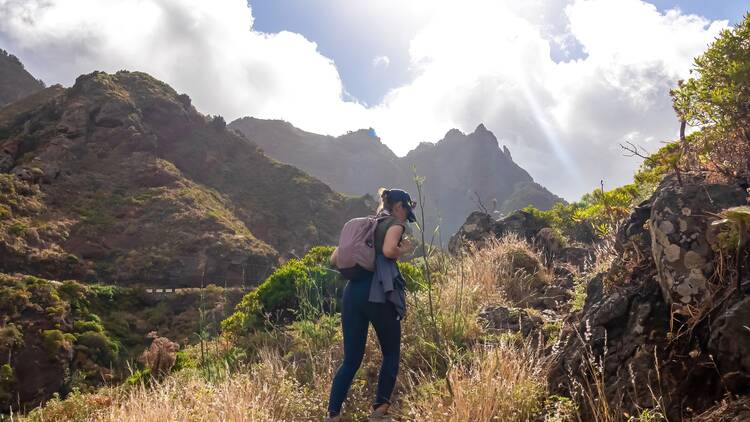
(119, 179)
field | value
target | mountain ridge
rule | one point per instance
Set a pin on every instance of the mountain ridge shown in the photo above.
(15, 81)
(462, 171)
(119, 178)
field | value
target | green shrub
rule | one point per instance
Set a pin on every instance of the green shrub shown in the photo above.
(183, 361)
(98, 346)
(413, 276)
(7, 381)
(139, 377)
(17, 228)
(54, 340)
(716, 100)
(311, 336)
(598, 212)
(94, 325)
(579, 296)
(299, 289)
(10, 336)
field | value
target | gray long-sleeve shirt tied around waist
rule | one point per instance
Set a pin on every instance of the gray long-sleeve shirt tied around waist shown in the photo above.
(388, 285)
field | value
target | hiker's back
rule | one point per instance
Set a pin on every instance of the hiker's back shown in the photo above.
(356, 250)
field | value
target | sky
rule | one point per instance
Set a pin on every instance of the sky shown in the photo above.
(560, 82)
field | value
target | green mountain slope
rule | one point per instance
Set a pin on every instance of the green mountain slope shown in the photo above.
(120, 179)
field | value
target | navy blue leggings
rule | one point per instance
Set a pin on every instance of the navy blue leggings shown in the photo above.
(356, 315)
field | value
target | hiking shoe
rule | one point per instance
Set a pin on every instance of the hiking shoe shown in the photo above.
(378, 416)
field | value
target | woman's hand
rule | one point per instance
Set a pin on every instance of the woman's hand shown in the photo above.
(406, 247)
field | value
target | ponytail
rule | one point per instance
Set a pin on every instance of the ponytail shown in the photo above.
(385, 204)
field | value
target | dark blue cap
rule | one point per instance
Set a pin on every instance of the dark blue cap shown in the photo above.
(398, 195)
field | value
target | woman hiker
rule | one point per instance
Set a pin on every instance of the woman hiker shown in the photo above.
(366, 302)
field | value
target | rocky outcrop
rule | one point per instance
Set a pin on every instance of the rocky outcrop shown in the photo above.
(160, 356)
(727, 411)
(680, 232)
(729, 345)
(501, 319)
(462, 172)
(632, 334)
(480, 227)
(15, 82)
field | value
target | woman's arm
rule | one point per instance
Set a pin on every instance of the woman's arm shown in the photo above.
(334, 255)
(391, 248)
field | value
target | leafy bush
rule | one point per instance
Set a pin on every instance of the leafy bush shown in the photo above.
(90, 325)
(598, 212)
(413, 276)
(299, 289)
(183, 361)
(98, 346)
(54, 340)
(717, 102)
(139, 377)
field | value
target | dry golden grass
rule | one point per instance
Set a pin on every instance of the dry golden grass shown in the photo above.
(499, 383)
(289, 376)
(505, 269)
(266, 391)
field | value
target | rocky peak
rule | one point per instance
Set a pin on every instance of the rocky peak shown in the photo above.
(481, 129)
(506, 151)
(15, 82)
(454, 168)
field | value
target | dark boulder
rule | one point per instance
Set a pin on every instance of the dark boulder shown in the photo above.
(730, 346)
(681, 214)
(631, 330)
(509, 320)
(480, 227)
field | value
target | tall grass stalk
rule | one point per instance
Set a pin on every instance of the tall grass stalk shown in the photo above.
(419, 181)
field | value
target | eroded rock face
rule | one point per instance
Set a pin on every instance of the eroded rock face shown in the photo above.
(160, 356)
(730, 346)
(480, 227)
(629, 322)
(679, 226)
(510, 320)
(477, 228)
(727, 411)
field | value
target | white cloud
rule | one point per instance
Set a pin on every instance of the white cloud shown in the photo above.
(474, 61)
(490, 62)
(205, 49)
(381, 61)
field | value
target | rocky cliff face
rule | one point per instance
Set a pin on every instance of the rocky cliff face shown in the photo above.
(120, 179)
(664, 326)
(15, 81)
(665, 322)
(459, 170)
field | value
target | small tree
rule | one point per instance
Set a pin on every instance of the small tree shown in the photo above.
(718, 100)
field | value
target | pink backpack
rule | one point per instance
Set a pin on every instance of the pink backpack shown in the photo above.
(357, 246)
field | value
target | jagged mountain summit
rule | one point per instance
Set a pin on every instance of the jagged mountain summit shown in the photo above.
(461, 170)
(15, 81)
(120, 179)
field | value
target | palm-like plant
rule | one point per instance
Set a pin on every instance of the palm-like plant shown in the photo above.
(738, 221)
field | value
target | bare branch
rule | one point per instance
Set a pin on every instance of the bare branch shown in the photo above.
(633, 150)
(479, 204)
